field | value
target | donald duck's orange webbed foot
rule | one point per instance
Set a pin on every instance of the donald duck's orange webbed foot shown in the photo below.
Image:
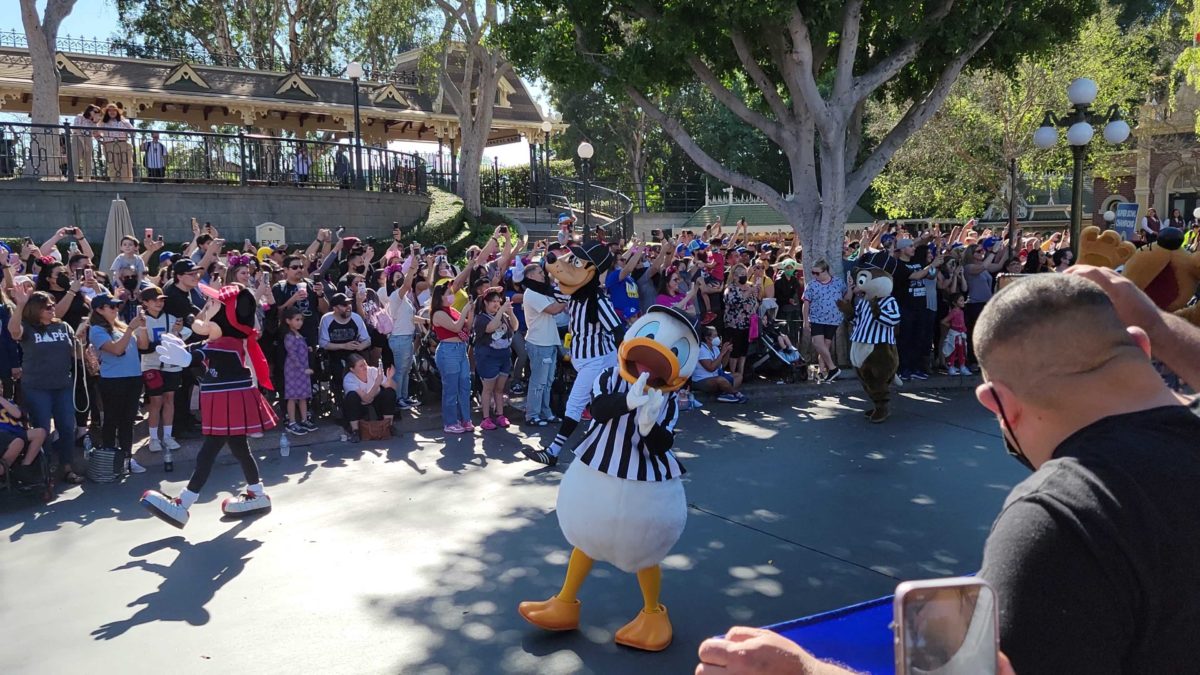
(552, 614)
(649, 631)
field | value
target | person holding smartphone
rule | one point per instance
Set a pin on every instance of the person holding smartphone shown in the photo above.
(116, 343)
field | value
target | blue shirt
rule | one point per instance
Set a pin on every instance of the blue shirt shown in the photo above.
(623, 293)
(128, 364)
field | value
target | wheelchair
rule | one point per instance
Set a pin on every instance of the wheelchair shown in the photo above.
(35, 480)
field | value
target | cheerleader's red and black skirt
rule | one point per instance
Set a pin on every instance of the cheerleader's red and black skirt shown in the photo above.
(235, 413)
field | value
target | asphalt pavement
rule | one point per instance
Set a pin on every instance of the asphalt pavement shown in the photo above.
(411, 556)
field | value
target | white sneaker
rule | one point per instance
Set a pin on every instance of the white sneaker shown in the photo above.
(170, 443)
(955, 371)
(156, 445)
(135, 467)
(168, 509)
(245, 503)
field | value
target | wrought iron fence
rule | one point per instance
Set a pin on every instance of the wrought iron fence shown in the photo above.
(64, 152)
(599, 206)
(200, 56)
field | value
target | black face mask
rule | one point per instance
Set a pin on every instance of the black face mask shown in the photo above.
(360, 268)
(130, 283)
(62, 280)
(1011, 445)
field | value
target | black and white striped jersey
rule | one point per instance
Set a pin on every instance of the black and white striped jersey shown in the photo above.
(613, 444)
(873, 330)
(590, 340)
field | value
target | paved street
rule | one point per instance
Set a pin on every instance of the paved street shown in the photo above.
(413, 557)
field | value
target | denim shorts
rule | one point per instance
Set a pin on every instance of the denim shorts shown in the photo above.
(491, 363)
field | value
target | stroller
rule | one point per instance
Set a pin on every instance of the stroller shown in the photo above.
(769, 358)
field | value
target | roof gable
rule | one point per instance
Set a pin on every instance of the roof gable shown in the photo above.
(294, 87)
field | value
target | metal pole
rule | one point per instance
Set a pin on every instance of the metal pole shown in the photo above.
(453, 168)
(1012, 197)
(533, 173)
(1079, 152)
(67, 142)
(242, 155)
(587, 195)
(358, 172)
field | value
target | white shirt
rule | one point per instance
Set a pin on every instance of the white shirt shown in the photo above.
(351, 382)
(541, 329)
(401, 310)
(706, 354)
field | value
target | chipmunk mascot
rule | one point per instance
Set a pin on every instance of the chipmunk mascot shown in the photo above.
(579, 273)
(873, 339)
(1165, 271)
(231, 407)
(621, 501)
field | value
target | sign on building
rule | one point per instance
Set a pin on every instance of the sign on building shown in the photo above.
(270, 233)
(1127, 218)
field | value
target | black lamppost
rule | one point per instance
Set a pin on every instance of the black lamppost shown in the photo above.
(544, 174)
(355, 72)
(1079, 125)
(585, 152)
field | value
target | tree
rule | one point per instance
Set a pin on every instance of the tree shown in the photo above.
(41, 34)
(959, 162)
(466, 48)
(807, 69)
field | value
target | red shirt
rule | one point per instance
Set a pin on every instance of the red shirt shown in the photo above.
(446, 333)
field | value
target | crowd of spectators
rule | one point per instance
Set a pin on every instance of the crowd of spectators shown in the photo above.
(344, 321)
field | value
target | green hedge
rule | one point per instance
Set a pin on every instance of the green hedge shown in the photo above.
(451, 224)
(513, 187)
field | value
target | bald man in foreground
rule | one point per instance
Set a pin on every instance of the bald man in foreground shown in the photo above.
(1095, 557)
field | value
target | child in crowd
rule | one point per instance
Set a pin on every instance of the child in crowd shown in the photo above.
(494, 325)
(17, 442)
(129, 258)
(297, 376)
(955, 346)
(161, 380)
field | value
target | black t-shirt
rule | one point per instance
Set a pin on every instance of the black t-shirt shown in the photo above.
(1095, 557)
(180, 302)
(309, 307)
(77, 311)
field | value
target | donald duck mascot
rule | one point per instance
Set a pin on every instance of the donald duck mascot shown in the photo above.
(622, 501)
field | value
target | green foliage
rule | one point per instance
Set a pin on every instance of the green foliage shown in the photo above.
(451, 224)
(1187, 66)
(513, 182)
(958, 163)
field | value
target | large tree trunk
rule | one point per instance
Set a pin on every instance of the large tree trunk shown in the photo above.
(42, 36)
(470, 158)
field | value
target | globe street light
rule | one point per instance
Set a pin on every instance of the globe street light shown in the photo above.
(544, 175)
(1079, 123)
(355, 72)
(585, 152)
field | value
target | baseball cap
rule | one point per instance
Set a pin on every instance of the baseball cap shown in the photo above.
(151, 293)
(184, 266)
(339, 299)
(904, 243)
(104, 300)
(164, 257)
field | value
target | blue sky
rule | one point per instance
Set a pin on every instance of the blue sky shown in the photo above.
(98, 19)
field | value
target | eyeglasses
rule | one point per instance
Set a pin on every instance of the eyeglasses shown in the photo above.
(296, 267)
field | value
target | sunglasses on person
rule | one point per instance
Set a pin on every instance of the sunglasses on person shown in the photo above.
(295, 267)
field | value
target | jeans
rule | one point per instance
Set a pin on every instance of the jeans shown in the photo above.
(59, 405)
(356, 410)
(455, 369)
(914, 336)
(542, 364)
(122, 398)
(402, 355)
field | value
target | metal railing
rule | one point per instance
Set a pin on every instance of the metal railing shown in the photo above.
(607, 208)
(65, 152)
(199, 56)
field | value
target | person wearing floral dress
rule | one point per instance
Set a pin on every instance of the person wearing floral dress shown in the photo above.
(297, 376)
(741, 305)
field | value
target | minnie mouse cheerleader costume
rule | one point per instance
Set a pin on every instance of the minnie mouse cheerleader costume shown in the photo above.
(231, 406)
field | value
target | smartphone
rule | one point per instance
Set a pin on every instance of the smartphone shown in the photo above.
(503, 229)
(149, 233)
(89, 275)
(946, 626)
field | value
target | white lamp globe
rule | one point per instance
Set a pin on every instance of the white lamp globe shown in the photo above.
(546, 126)
(1116, 131)
(585, 150)
(1196, 213)
(1045, 137)
(1080, 133)
(1109, 216)
(354, 71)
(1082, 91)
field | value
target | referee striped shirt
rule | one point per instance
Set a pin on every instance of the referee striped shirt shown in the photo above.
(873, 330)
(617, 448)
(592, 340)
